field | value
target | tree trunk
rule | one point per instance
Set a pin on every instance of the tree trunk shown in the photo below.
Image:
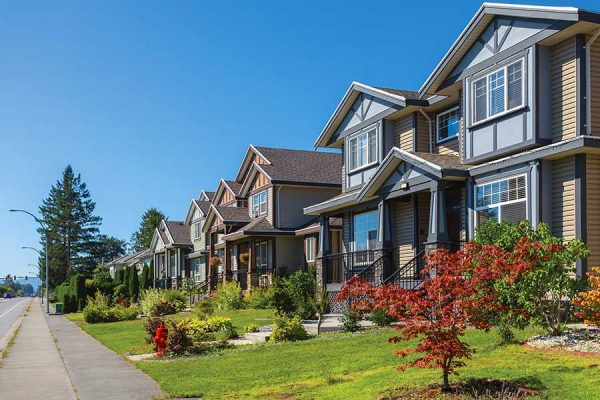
(446, 387)
(319, 320)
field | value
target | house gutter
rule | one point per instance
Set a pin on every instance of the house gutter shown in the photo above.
(588, 84)
(429, 123)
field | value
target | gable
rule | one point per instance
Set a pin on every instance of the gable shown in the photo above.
(501, 34)
(365, 107)
(405, 172)
(259, 181)
(226, 197)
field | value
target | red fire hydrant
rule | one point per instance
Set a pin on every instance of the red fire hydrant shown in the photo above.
(160, 340)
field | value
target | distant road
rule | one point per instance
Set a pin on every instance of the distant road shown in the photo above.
(10, 309)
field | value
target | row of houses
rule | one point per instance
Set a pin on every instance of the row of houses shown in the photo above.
(506, 127)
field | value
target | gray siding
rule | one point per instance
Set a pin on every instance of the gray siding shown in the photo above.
(291, 201)
(289, 253)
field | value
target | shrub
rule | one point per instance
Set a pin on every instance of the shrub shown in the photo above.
(544, 291)
(587, 303)
(259, 298)
(133, 286)
(281, 298)
(350, 321)
(102, 280)
(251, 328)
(176, 297)
(98, 309)
(302, 286)
(228, 296)
(151, 324)
(178, 339)
(288, 330)
(204, 308)
(120, 293)
(380, 317)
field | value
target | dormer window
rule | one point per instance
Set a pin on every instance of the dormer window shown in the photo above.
(498, 92)
(448, 124)
(259, 203)
(363, 149)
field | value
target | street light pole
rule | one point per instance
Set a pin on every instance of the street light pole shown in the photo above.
(39, 276)
(45, 228)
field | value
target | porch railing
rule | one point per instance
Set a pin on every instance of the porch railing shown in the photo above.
(338, 268)
(408, 276)
(168, 283)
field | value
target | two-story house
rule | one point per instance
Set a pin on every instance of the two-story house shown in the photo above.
(506, 127)
(256, 222)
(170, 246)
(195, 219)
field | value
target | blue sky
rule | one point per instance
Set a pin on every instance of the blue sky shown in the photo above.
(153, 101)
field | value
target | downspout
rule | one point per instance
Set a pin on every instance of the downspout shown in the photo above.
(588, 85)
(429, 123)
(278, 206)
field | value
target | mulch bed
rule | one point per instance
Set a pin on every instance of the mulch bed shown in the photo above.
(483, 389)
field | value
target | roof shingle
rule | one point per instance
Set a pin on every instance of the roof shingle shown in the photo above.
(302, 166)
(179, 232)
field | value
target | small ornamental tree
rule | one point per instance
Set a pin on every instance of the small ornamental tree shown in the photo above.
(587, 304)
(457, 293)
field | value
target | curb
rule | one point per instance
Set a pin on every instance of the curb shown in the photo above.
(4, 340)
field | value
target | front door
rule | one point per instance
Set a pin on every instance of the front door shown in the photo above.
(453, 205)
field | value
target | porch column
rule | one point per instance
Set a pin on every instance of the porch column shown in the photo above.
(324, 249)
(384, 228)
(324, 236)
(251, 264)
(438, 231)
(227, 262)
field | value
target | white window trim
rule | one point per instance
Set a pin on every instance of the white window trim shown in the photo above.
(506, 110)
(197, 232)
(257, 195)
(374, 127)
(437, 126)
(309, 243)
(259, 245)
(481, 208)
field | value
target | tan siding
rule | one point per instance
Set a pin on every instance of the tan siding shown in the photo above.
(403, 133)
(595, 87)
(593, 211)
(289, 253)
(422, 134)
(563, 197)
(259, 181)
(450, 147)
(564, 90)
(403, 231)
(227, 197)
(270, 205)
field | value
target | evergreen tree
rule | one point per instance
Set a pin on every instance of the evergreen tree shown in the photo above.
(150, 280)
(141, 239)
(134, 285)
(145, 277)
(120, 277)
(126, 277)
(68, 212)
(108, 248)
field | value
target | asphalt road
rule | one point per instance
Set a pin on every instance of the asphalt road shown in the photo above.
(10, 309)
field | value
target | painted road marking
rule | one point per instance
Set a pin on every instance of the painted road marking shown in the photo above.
(13, 307)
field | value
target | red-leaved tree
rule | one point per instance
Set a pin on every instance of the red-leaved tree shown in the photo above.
(458, 292)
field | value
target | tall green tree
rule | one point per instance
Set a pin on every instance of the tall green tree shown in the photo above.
(134, 284)
(73, 229)
(141, 239)
(108, 248)
(145, 278)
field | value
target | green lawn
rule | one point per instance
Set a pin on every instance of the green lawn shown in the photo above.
(127, 337)
(343, 366)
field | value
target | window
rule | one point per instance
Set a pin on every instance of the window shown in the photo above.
(498, 92)
(448, 124)
(504, 200)
(197, 230)
(365, 230)
(310, 248)
(172, 263)
(198, 269)
(259, 203)
(363, 149)
(261, 255)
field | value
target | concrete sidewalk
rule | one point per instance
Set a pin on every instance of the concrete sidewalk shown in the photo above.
(34, 368)
(95, 371)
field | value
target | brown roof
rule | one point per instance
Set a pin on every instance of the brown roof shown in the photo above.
(179, 232)
(407, 94)
(235, 186)
(234, 214)
(211, 195)
(447, 162)
(260, 226)
(203, 205)
(302, 166)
